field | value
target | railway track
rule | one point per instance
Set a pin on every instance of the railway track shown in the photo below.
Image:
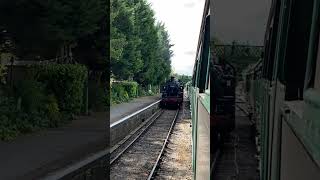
(139, 156)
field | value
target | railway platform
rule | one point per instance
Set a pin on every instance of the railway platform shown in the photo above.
(35, 155)
(119, 111)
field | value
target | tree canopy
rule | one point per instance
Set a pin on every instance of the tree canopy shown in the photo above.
(183, 78)
(40, 28)
(140, 47)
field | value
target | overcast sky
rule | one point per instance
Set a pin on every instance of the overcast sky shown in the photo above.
(241, 20)
(182, 19)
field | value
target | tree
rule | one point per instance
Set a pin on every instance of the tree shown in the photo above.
(125, 55)
(183, 78)
(47, 26)
(140, 48)
(147, 32)
(164, 53)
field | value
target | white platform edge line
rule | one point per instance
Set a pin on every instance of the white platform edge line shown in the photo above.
(133, 114)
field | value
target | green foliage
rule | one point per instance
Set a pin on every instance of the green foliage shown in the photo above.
(32, 105)
(8, 129)
(183, 78)
(124, 91)
(131, 88)
(3, 72)
(140, 48)
(52, 111)
(118, 93)
(142, 91)
(48, 24)
(31, 93)
(66, 82)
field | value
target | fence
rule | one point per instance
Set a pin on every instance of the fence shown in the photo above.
(240, 56)
(234, 51)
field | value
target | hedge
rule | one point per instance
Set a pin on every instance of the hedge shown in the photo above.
(3, 72)
(123, 91)
(48, 98)
(66, 82)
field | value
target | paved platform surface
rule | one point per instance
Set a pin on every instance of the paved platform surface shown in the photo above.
(34, 155)
(119, 111)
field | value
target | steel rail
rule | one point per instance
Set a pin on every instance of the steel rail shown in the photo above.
(118, 145)
(153, 171)
(136, 138)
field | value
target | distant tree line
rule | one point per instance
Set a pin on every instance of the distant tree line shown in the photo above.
(183, 78)
(140, 48)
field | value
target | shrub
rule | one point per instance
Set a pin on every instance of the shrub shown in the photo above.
(8, 128)
(3, 72)
(32, 95)
(117, 93)
(53, 112)
(66, 82)
(48, 99)
(142, 91)
(123, 91)
(130, 88)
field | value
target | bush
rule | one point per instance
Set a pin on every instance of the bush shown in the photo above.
(117, 93)
(8, 128)
(123, 91)
(142, 91)
(8, 113)
(3, 72)
(32, 95)
(47, 99)
(53, 112)
(66, 82)
(130, 88)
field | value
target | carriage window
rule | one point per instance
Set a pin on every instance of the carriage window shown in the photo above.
(204, 62)
(313, 65)
(194, 74)
(317, 72)
(294, 65)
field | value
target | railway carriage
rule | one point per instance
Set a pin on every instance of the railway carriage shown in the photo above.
(199, 95)
(285, 92)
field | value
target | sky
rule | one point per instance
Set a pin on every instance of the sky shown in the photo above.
(240, 20)
(182, 19)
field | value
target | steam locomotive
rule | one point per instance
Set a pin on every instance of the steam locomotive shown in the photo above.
(172, 94)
